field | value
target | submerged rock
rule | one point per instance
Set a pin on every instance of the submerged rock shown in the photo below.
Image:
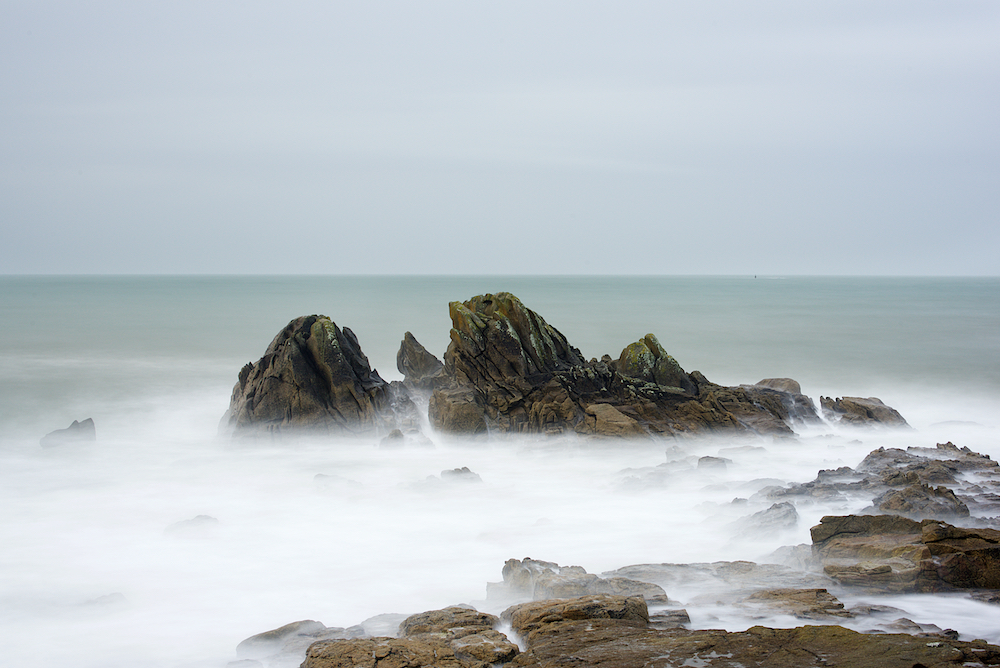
(507, 371)
(779, 517)
(77, 432)
(314, 378)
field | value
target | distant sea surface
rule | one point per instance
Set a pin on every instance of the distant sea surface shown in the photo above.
(100, 566)
(82, 344)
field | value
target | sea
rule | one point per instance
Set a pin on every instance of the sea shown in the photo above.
(105, 564)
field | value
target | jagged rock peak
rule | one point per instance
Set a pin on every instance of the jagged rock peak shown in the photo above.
(419, 367)
(314, 376)
(517, 340)
(647, 360)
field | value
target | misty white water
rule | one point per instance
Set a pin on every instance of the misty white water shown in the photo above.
(95, 570)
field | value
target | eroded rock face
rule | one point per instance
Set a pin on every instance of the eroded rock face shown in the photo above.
(896, 554)
(314, 378)
(512, 372)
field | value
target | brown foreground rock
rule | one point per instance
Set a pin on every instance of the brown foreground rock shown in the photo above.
(454, 637)
(608, 643)
(612, 632)
(896, 554)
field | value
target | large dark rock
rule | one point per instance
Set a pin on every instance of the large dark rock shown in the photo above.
(896, 554)
(314, 378)
(509, 371)
(78, 432)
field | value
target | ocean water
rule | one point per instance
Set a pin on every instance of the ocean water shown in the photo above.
(95, 571)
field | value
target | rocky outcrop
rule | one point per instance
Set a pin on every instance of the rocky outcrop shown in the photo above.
(509, 371)
(314, 378)
(896, 554)
(779, 517)
(77, 432)
(861, 411)
(420, 369)
(454, 637)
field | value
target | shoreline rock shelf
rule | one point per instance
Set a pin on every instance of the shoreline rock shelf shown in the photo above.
(613, 631)
(507, 371)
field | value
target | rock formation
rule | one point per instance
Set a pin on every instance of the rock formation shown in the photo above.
(314, 378)
(506, 370)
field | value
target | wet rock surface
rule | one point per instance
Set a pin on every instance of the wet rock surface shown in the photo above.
(314, 378)
(896, 554)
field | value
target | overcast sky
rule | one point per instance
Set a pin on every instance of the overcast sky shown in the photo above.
(500, 137)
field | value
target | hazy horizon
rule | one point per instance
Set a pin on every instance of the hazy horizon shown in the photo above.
(540, 138)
